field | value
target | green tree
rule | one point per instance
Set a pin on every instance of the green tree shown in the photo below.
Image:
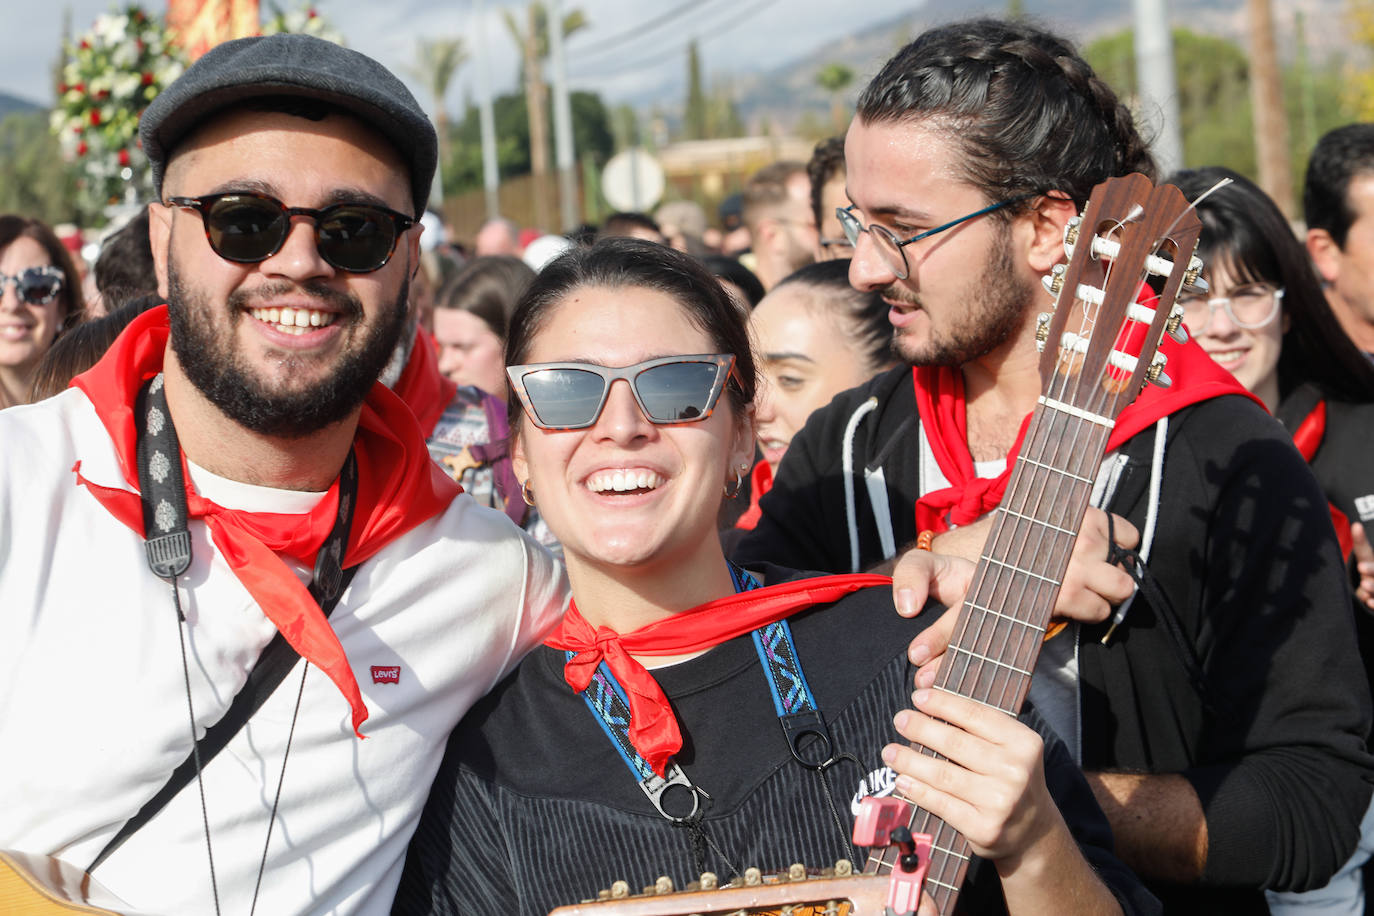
(695, 125)
(463, 168)
(834, 78)
(1214, 97)
(532, 42)
(436, 62)
(34, 179)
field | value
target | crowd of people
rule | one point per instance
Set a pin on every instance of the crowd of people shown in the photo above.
(650, 551)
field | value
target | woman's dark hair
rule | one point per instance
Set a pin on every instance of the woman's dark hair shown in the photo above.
(728, 268)
(862, 316)
(14, 227)
(623, 263)
(489, 287)
(82, 347)
(1027, 110)
(1244, 230)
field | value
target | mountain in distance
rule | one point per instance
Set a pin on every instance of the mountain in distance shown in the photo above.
(10, 104)
(781, 96)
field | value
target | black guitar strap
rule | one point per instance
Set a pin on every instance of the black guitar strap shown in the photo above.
(168, 544)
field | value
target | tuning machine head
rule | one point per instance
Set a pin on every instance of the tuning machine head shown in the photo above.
(1155, 373)
(1071, 234)
(1042, 330)
(1054, 280)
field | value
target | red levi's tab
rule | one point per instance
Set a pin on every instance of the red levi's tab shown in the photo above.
(653, 727)
(386, 674)
(399, 488)
(940, 404)
(425, 390)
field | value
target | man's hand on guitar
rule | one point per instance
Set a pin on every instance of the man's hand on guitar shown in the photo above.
(1364, 565)
(991, 788)
(1092, 586)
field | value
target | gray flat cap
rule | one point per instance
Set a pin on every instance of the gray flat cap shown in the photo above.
(292, 65)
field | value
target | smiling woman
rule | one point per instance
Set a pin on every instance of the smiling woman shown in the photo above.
(40, 291)
(633, 416)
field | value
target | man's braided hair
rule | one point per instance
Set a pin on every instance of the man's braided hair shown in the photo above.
(1029, 112)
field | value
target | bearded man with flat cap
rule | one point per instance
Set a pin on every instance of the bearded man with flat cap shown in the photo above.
(230, 485)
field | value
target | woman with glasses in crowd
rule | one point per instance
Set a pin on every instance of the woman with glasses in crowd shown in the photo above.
(1266, 320)
(40, 291)
(689, 715)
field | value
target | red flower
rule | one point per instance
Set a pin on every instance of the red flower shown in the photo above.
(78, 129)
(102, 94)
(81, 148)
(79, 87)
(123, 157)
(85, 45)
(95, 117)
(147, 78)
(311, 14)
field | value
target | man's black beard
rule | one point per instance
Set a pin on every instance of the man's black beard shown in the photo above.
(219, 373)
(997, 303)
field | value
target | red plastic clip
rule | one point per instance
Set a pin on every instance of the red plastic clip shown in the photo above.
(886, 822)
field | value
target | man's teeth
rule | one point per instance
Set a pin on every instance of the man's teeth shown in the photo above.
(621, 481)
(294, 321)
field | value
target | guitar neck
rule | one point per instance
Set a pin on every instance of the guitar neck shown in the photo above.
(1002, 625)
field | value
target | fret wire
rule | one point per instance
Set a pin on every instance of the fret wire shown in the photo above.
(990, 661)
(1044, 524)
(1018, 569)
(1060, 471)
(974, 699)
(1007, 617)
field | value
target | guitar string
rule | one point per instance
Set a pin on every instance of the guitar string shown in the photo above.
(1081, 428)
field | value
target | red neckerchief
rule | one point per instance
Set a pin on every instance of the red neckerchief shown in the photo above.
(399, 487)
(760, 482)
(426, 391)
(1308, 438)
(653, 727)
(940, 404)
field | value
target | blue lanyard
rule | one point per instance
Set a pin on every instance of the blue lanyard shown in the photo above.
(793, 702)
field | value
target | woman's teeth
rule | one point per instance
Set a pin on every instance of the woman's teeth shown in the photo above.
(623, 481)
(294, 321)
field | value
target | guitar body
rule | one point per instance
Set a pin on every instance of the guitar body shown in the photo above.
(34, 885)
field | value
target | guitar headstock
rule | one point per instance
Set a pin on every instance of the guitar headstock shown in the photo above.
(1100, 345)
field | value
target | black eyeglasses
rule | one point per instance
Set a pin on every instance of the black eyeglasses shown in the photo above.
(890, 247)
(35, 285)
(246, 228)
(671, 389)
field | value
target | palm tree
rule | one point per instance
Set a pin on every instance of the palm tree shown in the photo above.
(833, 78)
(436, 61)
(533, 42)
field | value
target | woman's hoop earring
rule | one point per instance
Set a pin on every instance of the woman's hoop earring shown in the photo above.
(732, 492)
(525, 493)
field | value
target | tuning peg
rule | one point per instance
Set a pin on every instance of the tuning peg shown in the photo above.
(663, 885)
(1191, 276)
(1071, 234)
(620, 890)
(709, 881)
(1155, 373)
(753, 877)
(844, 868)
(1054, 280)
(1042, 330)
(1175, 327)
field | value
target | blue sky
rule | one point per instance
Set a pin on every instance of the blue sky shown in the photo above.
(733, 35)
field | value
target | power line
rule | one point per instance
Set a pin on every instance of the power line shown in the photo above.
(661, 57)
(614, 42)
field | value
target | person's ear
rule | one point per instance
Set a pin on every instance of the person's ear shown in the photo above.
(1045, 224)
(159, 236)
(1325, 254)
(518, 463)
(745, 441)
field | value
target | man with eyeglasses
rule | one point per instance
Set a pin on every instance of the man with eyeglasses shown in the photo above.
(826, 171)
(1224, 763)
(777, 213)
(229, 502)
